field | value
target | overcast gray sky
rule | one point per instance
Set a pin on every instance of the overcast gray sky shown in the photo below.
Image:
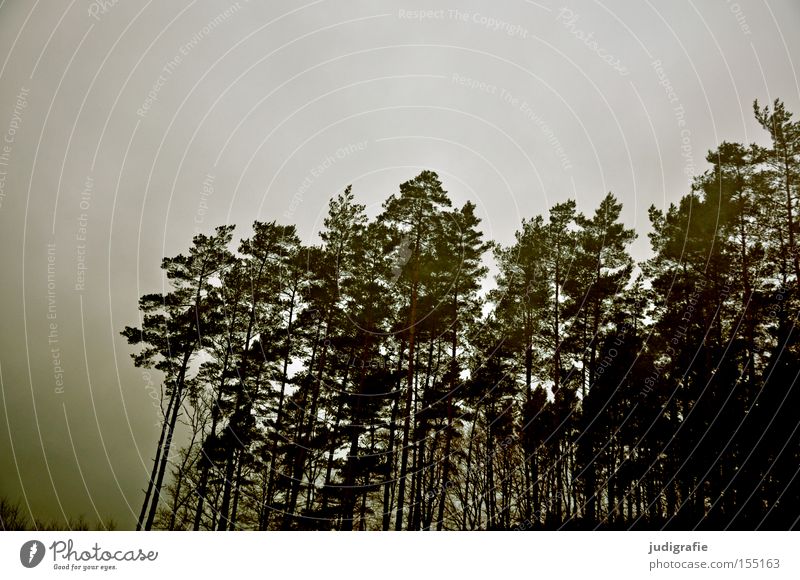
(126, 126)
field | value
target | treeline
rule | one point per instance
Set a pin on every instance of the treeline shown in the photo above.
(368, 383)
(16, 518)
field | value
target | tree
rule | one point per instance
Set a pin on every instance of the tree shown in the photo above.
(783, 162)
(369, 381)
(416, 216)
(173, 332)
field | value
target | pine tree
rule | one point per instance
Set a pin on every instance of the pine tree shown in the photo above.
(172, 333)
(416, 215)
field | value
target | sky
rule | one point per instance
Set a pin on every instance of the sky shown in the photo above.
(127, 126)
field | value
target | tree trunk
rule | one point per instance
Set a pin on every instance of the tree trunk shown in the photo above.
(237, 493)
(202, 487)
(339, 410)
(279, 412)
(468, 471)
(389, 485)
(154, 471)
(178, 394)
(409, 391)
(303, 434)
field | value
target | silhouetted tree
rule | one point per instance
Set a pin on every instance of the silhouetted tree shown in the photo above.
(374, 381)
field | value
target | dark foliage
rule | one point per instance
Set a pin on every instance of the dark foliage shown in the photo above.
(369, 383)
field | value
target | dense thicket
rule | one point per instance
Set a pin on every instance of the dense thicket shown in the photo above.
(368, 382)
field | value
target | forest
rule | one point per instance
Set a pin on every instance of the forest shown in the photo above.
(370, 382)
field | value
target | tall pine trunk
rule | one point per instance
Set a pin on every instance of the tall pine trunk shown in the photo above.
(409, 392)
(156, 463)
(178, 394)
